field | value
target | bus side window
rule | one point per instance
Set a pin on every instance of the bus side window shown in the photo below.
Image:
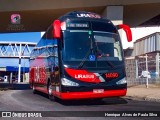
(117, 51)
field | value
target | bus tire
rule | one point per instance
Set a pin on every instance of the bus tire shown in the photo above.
(33, 88)
(50, 95)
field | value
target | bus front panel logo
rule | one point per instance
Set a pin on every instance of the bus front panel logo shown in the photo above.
(89, 15)
(83, 76)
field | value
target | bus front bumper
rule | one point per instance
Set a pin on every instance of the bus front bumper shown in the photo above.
(90, 95)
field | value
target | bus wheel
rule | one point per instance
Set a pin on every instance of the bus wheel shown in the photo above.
(33, 89)
(50, 96)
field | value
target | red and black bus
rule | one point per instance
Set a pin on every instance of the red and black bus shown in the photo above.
(80, 57)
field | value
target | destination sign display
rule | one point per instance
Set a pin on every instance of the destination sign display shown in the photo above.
(80, 25)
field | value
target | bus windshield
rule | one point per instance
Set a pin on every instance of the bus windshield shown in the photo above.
(107, 46)
(76, 45)
(80, 44)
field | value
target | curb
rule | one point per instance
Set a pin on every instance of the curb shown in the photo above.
(152, 99)
(134, 98)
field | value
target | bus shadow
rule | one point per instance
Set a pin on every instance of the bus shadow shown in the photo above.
(105, 101)
(14, 86)
(42, 94)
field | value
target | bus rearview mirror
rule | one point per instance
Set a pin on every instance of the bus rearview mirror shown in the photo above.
(127, 30)
(56, 29)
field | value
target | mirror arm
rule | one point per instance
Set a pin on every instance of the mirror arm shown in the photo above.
(127, 30)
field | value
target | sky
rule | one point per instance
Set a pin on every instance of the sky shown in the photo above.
(21, 37)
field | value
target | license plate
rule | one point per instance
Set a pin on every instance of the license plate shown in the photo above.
(98, 90)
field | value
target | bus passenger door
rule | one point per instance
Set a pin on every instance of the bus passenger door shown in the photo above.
(55, 74)
(55, 79)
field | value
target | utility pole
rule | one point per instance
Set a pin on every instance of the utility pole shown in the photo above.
(157, 65)
(146, 71)
(136, 68)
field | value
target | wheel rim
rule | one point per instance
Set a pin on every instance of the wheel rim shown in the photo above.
(50, 90)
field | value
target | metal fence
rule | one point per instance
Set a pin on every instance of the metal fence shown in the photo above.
(142, 81)
(138, 69)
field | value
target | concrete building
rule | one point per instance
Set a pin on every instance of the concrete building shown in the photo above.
(145, 56)
(39, 14)
(149, 47)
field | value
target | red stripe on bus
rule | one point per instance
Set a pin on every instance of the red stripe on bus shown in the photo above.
(41, 89)
(85, 95)
(82, 75)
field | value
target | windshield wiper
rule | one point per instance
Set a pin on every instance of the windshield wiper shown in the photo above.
(89, 51)
(106, 61)
(110, 64)
(84, 59)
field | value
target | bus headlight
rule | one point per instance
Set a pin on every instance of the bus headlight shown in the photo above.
(122, 81)
(67, 82)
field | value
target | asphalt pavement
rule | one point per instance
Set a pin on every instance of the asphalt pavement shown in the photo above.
(139, 92)
(25, 100)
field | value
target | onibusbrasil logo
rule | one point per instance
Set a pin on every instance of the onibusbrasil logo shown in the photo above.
(15, 23)
(15, 18)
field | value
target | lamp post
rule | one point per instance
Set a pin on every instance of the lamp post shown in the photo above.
(19, 66)
(147, 71)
